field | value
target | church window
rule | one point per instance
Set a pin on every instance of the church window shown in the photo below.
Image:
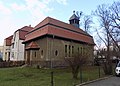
(41, 52)
(65, 50)
(81, 50)
(35, 53)
(69, 50)
(72, 50)
(56, 53)
(78, 50)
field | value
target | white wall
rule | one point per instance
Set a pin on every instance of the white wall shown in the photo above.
(17, 52)
(6, 50)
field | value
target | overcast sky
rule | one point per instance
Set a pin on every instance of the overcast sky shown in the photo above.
(15, 14)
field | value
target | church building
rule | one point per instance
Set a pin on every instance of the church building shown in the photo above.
(52, 41)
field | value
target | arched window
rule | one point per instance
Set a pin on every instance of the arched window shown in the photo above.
(35, 54)
(65, 50)
(78, 50)
(72, 50)
(41, 52)
(56, 53)
(69, 50)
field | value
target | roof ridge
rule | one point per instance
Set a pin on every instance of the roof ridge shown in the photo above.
(69, 25)
(50, 20)
(9, 37)
(59, 28)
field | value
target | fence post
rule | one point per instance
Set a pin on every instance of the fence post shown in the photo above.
(52, 83)
(99, 70)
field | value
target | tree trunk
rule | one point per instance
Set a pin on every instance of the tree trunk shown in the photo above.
(75, 71)
(107, 67)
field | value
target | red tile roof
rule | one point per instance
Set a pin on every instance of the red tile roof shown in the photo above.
(23, 31)
(33, 45)
(27, 28)
(55, 27)
(9, 40)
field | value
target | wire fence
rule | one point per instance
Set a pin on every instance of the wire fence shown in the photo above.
(55, 76)
(86, 73)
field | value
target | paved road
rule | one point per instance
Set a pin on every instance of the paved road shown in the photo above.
(112, 81)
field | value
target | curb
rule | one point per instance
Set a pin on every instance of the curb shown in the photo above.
(94, 80)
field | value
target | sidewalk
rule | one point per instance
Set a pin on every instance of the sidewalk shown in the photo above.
(94, 80)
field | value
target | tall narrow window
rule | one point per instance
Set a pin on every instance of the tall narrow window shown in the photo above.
(56, 53)
(35, 54)
(65, 50)
(78, 50)
(41, 52)
(72, 50)
(81, 50)
(69, 50)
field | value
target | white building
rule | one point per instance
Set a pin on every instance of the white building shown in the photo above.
(17, 48)
(6, 48)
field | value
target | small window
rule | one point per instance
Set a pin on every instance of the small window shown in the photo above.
(35, 54)
(65, 50)
(69, 50)
(78, 50)
(56, 53)
(41, 52)
(72, 50)
(81, 50)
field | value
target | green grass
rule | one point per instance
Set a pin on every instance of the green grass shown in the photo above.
(41, 77)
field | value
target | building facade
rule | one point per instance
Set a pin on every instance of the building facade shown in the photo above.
(17, 48)
(52, 41)
(7, 48)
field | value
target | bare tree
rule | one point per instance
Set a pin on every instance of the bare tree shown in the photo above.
(86, 21)
(109, 19)
(75, 63)
(115, 23)
(103, 13)
(115, 14)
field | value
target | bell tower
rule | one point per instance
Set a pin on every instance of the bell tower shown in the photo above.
(74, 20)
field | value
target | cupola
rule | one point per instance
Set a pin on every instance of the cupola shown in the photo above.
(74, 20)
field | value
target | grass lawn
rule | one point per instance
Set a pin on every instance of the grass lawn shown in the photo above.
(41, 77)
